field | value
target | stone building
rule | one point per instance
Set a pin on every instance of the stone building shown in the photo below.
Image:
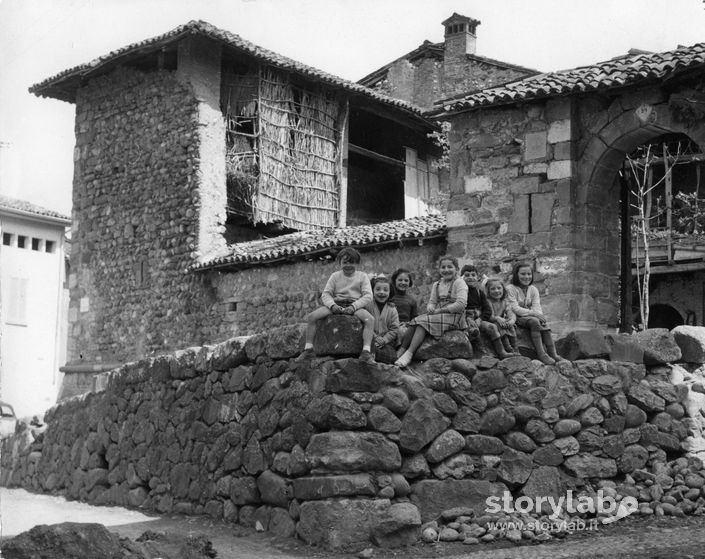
(202, 161)
(535, 174)
(435, 71)
(34, 304)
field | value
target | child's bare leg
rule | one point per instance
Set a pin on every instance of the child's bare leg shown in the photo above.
(368, 328)
(536, 338)
(416, 340)
(311, 322)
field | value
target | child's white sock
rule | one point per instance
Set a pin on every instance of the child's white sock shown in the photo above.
(366, 348)
(404, 359)
(308, 346)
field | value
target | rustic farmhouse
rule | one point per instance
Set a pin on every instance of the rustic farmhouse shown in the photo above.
(195, 151)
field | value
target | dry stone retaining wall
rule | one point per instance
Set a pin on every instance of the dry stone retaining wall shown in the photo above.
(341, 452)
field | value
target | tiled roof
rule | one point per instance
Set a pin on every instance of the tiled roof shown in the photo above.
(64, 85)
(619, 72)
(304, 244)
(14, 205)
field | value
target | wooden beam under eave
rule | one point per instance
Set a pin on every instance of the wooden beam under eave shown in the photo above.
(374, 155)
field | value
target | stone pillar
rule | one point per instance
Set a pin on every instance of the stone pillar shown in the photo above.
(199, 66)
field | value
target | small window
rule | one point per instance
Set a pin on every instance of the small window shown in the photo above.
(21, 241)
(231, 306)
(36, 243)
(7, 239)
(50, 246)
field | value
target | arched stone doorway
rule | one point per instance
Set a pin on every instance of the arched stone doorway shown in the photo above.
(611, 130)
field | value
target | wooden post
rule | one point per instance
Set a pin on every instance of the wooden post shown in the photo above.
(343, 135)
(625, 284)
(411, 188)
(669, 206)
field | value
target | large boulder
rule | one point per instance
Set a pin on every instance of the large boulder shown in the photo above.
(352, 451)
(398, 526)
(624, 348)
(659, 346)
(340, 523)
(691, 340)
(338, 334)
(433, 496)
(454, 344)
(68, 540)
(323, 487)
(583, 344)
(421, 424)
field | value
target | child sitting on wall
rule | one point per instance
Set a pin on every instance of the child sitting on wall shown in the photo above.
(445, 310)
(477, 309)
(386, 320)
(406, 305)
(347, 291)
(525, 302)
(500, 326)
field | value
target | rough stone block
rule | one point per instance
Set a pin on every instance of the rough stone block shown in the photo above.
(324, 487)
(559, 131)
(432, 497)
(691, 340)
(453, 344)
(659, 346)
(338, 335)
(519, 223)
(477, 184)
(398, 526)
(286, 341)
(560, 169)
(541, 211)
(588, 344)
(421, 424)
(589, 466)
(340, 523)
(352, 451)
(535, 146)
(622, 347)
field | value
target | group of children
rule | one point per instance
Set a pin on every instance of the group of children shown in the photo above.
(393, 327)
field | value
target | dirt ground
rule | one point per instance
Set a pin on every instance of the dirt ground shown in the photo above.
(631, 538)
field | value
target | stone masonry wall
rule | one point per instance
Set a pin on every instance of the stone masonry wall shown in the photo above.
(135, 218)
(341, 452)
(426, 80)
(255, 299)
(511, 184)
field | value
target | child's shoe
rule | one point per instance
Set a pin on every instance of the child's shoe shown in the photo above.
(306, 354)
(367, 357)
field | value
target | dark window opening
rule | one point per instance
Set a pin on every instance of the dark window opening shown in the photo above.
(231, 306)
(50, 246)
(36, 243)
(7, 239)
(21, 241)
(375, 191)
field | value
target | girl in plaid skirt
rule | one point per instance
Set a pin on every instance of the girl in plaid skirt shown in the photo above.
(445, 310)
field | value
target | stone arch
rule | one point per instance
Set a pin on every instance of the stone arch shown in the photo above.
(626, 124)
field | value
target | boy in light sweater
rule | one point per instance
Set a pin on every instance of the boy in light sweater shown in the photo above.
(347, 291)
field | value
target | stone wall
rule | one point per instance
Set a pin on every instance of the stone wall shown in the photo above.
(269, 296)
(427, 80)
(341, 452)
(135, 219)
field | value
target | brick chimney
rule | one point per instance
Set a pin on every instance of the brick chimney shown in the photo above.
(460, 37)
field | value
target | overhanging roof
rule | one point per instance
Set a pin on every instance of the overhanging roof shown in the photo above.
(63, 86)
(629, 70)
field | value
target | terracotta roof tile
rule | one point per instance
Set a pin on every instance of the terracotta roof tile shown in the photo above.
(15, 205)
(619, 72)
(303, 244)
(63, 85)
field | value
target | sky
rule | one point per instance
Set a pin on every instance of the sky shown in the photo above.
(348, 38)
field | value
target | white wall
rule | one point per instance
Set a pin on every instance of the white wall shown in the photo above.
(33, 339)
